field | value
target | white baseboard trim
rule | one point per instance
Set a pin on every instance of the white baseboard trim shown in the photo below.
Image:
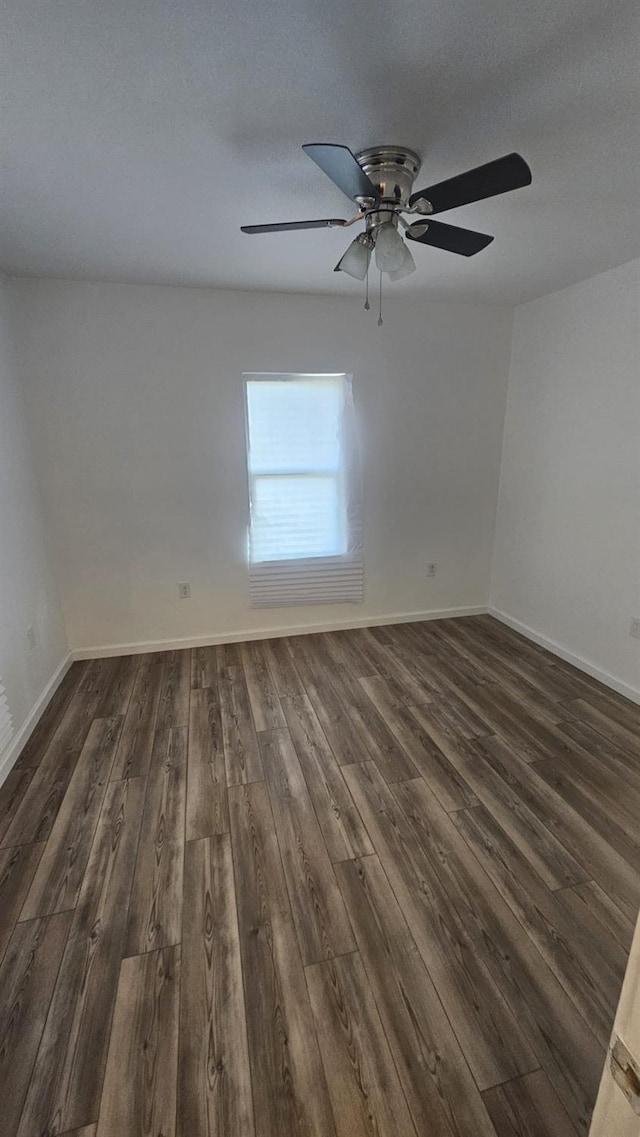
(578, 661)
(272, 633)
(12, 752)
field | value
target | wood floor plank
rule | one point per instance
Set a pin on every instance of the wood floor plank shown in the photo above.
(97, 675)
(320, 918)
(609, 812)
(241, 751)
(207, 809)
(214, 1080)
(527, 733)
(495, 1048)
(343, 649)
(316, 671)
(587, 977)
(426, 757)
(12, 792)
(17, 868)
(203, 667)
(39, 740)
(600, 860)
(27, 976)
(628, 739)
(509, 670)
(370, 723)
(287, 682)
(143, 1050)
(79, 714)
(173, 708)
(365, 1091)
(564, 1045)
(342, 827)
(544, 852)
(155, 915)
(309, 656)
(289, 1088)
(136, 740)
(528, 1107)
(554, 675)
(440, 1091)
(609, 704)
(388, 663)
(600, 923)
(503, 712)
(263, 696)
(227, 655)
(508, 639)
(343, 736)
(58, 878)
(457, 716)
(444, 648)
(36, 811)
(621, 792)
(602, 750)
(34, 818)
(117, 694)
(606, 911)
(66, 1087)
(445, 682)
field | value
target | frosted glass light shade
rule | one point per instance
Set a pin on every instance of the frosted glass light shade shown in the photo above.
(389, 248)
(355, 261)
(407, 266)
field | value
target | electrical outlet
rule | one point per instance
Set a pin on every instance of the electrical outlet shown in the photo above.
(184, 590)
(634, 628)
(31, 636)
(431, 568)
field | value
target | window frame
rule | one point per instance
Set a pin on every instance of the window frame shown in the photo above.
(337, 475)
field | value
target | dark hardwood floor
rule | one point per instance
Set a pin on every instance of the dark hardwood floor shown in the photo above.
(376, 883)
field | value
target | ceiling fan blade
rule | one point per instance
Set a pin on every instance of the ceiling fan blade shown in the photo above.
(339, 164)
(448, 237)
(287, 226)
(500, 176)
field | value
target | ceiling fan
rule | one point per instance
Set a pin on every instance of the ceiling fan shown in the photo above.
(379, 181)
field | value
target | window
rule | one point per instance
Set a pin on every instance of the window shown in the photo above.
(304, 527)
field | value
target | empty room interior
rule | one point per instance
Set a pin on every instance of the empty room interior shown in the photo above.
(319, 569)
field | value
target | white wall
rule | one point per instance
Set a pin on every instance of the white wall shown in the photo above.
(28, 592)
(135, 399)
(567, 552)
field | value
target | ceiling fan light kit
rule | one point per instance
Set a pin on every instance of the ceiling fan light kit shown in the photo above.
(389, 247)
(380, 182)
(355, 261)
(405, 268)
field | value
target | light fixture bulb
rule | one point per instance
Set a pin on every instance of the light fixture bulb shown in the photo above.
(389, 248)
(355, 261)
(407, 266)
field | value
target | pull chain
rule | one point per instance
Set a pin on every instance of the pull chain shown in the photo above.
(380, 306)
(366, 291)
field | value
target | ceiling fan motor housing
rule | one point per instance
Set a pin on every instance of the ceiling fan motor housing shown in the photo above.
(393, 170)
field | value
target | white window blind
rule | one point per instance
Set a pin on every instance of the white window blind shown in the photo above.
(305, 528)
(6, 722)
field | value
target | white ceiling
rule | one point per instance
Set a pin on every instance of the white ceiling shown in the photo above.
(138, 135)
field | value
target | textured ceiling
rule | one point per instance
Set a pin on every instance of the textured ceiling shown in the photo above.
(138, 135)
